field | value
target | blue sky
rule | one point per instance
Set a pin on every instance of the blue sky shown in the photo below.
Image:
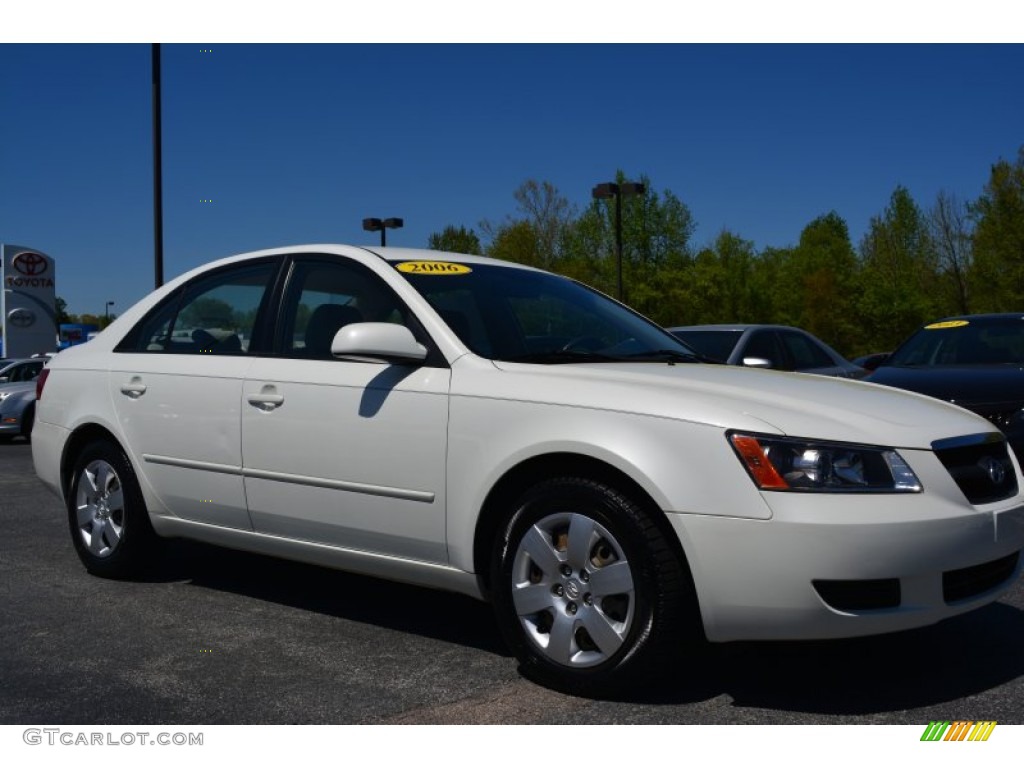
(297, 143)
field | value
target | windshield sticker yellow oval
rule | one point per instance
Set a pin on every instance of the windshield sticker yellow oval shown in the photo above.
(947, 324)
(433, 268)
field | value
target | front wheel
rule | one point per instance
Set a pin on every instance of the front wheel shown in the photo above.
(587, 591)
(107, 515)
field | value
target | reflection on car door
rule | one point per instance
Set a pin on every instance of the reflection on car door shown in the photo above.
(339, 452)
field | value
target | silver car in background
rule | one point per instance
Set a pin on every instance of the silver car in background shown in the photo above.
(780, 347)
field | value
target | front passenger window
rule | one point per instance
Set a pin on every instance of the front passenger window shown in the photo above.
(324, 296)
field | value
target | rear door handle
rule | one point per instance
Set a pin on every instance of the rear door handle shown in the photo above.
(134, 388)
(265, 401)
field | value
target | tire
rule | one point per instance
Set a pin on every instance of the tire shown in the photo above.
(28, 418)
(588, 593)
(107, 515)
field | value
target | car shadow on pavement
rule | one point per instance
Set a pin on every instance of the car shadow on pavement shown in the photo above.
(920, 668)
(333, 593)
(926, 667)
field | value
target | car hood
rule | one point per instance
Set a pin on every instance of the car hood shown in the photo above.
(983, 387)
(803, 405)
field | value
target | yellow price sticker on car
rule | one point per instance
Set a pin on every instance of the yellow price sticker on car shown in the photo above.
(947, 324)
(433, 268)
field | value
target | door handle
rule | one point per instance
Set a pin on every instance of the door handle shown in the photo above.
(134, 388)
(265, 401)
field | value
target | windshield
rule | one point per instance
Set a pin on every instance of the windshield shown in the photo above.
(986, 341)
(520, 315)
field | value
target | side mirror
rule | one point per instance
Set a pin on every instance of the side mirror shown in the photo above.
(4, 379)
(758, 362)
(377, 342)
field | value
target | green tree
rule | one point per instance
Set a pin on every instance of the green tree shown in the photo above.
(899, 272)
(61, 311)
(771, 294)
(539, 229)
(656, 251)
(516, 241)
(997, 274)
(822, 278)
(455, 240)
(949, 226)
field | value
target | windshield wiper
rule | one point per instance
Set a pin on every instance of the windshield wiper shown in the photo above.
(580, 356)
(668, 356)
(564, 356)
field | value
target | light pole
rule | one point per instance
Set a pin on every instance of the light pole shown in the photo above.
(106, 311)
(382, 225)
(158, 173)
(618, 191)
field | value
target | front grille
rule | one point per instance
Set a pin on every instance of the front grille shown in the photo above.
(860, 594)
(980, 466)
(968, 582)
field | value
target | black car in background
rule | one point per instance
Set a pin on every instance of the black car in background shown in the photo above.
(974, 361)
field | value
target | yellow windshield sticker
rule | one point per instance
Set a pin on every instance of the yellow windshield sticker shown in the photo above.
(947, 324)
(433, 268)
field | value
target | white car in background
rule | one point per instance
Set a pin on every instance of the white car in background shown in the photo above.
(510, 434)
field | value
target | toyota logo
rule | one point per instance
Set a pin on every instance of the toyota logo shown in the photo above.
(21, 318)
(29, 264)
(995, 470)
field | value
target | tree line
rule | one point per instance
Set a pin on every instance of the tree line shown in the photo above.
(913, 265)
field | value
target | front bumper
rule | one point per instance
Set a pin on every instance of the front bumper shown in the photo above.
(10, 424)
(755, 579)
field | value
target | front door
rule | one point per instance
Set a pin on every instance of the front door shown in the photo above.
(350, 454)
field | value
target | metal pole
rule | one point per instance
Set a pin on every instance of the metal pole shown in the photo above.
(158, 197)
(618, 236)
(383, 239)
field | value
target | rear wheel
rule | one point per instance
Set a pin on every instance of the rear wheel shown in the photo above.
(587, 591)
(109, 522)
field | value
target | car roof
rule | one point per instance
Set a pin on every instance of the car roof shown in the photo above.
(388, 254)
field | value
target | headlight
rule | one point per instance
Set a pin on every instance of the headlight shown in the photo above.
(788, 464)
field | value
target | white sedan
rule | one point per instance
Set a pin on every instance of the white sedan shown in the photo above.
(491, 429)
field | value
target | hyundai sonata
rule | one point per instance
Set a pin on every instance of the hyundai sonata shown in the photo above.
(510, 434)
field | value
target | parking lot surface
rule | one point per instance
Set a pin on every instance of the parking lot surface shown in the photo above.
(213, 636)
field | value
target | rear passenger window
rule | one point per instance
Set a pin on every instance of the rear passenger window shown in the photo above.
(215, 315)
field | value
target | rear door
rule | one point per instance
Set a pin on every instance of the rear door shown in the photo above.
(176, 385)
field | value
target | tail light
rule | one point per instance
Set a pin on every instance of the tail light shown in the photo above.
(41, 382)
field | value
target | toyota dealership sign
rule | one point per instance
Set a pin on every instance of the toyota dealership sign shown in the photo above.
(28, 307)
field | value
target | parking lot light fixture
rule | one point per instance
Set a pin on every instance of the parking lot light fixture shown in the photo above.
(618, 191)
(382, 225)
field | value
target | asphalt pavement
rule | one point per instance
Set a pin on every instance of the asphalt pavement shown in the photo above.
(215, 637)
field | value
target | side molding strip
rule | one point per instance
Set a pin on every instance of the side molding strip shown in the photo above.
(426, 497)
